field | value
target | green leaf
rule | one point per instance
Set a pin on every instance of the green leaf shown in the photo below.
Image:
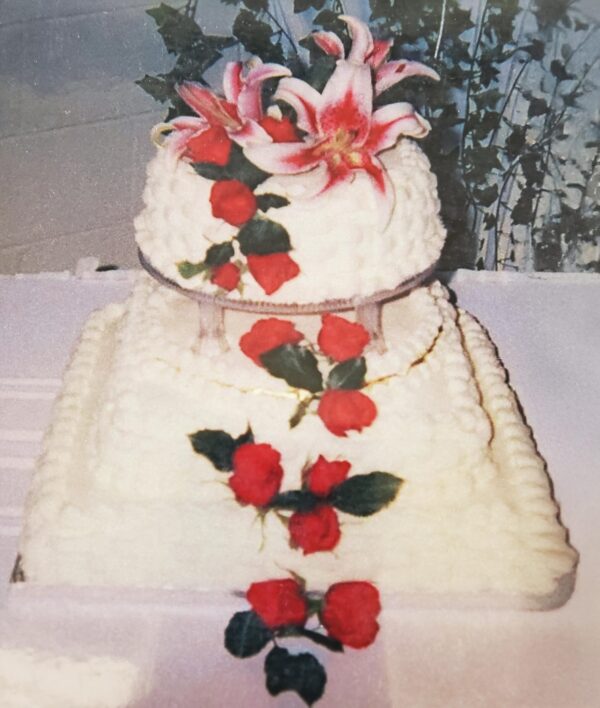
(263, 236)
(211, 171)
(303, 5)
(365, 494)
(487, 195)
(176, 29)
(296, 365)
(256, 37)
(537, 107)
(557, 69)
(246, 634)
(189, 270)
(219, 254)
(157, 87)
(217, 445)
(257, 5)
(239, 167)
(350, 374)
(320, 72)
(295, 500)
(301, 673)
(271, 201)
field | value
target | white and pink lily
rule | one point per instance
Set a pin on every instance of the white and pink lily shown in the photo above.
(374, 53)
(344, 134)
(238, 113)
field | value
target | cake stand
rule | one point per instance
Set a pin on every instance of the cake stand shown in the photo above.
(212, 307)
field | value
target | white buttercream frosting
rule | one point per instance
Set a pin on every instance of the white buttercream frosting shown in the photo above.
(342, 249)
(121, 498)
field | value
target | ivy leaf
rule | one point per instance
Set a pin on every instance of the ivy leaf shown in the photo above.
(246, 634)
(487, 195)
(301, 673)
(218, 446)
(320, 72)
(156, 86)
(350, 374)
(537, 107)
(294, 364)
(256, 37)
(257, 5)
(271, 201)
(557, 69)
(189, 270)
(522, 212)
(303, 5)
(365, 494)
(295, 500)
(177, 30)
(263, 236)
(219, 254)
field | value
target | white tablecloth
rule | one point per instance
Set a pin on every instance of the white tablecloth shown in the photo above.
(547, 329)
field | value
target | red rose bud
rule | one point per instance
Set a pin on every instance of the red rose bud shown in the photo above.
(257, 474)
(272, 271)
(213, 145)
(349, 613)
(314, 531)
(226, 276)
(342, 410)
(268, 334)
(278, 602)
(323, 476)
(282, 131)
(232, 201)
(341, 339)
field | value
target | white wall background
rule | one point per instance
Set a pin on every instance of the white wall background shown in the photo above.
(74, 126)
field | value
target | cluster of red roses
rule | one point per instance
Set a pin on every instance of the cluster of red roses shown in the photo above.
(340, 408)
(348, 611)
(235, 202)
(256, 479)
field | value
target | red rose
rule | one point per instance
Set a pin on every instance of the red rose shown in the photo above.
(341, 339)
(349, 613)
(278, 602)
(213, 145)
(272, 271)
(232, 201)
(257, 474)
(323, 476)
(282, 131)
(342, 410)
(316, 530)
(226, 276)
(268, 334)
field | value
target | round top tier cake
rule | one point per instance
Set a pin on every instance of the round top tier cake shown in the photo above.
(313, 197)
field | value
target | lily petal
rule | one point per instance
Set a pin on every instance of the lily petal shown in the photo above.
(232, 80)
(394, 71)
(250, 133)
(187, 123)
(347, 102)
(392, 121)
(304, 99)
(330, 43)
(249, 101)
(383, 189)
(213, 109)
(362, 39)
(381, 48)
(283, 158)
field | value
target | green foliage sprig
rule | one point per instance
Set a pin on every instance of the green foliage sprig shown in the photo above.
(515, 78)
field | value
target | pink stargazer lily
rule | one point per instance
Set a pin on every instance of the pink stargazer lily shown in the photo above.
(374, 53)
(343, 132)
(238, 112)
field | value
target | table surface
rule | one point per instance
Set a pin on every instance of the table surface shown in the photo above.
(547, 330)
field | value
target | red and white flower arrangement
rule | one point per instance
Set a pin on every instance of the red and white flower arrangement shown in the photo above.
(238, 143)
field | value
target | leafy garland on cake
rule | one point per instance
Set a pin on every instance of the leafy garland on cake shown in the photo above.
(328, 122)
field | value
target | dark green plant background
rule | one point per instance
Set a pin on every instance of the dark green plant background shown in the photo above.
(515, 142)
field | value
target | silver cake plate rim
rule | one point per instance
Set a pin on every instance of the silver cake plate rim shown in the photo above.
(257, 306)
